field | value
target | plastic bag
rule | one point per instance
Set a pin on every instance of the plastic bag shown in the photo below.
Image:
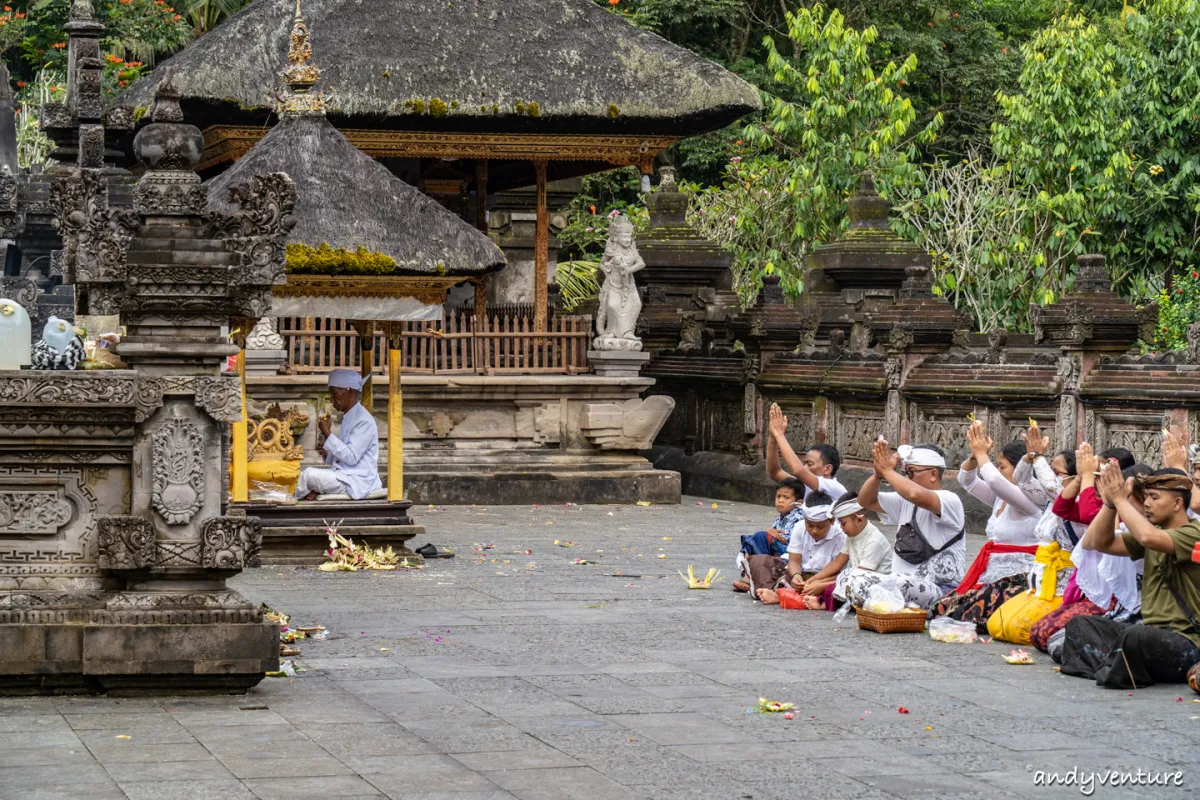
(270, 492)
(790, 598)
(884, 599)
(1012, 621)
(945, 629)
(839, 616)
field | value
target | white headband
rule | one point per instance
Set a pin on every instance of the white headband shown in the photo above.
(847, 507)
(817, 513)
(345, 379)
(920, 457)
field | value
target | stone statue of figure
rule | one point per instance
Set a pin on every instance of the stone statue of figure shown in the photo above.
(619, 301)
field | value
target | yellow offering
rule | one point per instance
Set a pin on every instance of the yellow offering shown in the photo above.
(694, 583)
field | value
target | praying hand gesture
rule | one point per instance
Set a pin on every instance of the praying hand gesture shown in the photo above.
(1174, 453)
(1113, 488)
(777, 423)
(1086, 466)
(325, 425)
(883, 459)
(980, 444)
(1036, 443)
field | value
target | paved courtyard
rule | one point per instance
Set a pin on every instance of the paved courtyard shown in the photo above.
(504, 673)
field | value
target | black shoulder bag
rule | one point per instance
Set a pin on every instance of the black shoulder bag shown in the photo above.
(913, 547)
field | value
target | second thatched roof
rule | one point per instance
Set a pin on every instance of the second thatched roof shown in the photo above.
(523, 65)
(348, 200)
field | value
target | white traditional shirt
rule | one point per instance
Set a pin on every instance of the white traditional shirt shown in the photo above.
(946, 568)
(814, 555)
(354, 452)
(870, 549)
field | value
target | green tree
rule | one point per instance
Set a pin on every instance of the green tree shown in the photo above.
(844, 116)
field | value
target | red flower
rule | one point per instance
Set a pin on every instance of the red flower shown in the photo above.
(1179, 291)
(1196, 274)
(20, 84)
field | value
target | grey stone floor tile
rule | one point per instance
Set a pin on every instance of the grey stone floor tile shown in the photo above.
(112, 736)
(101, 789)
(940, 786)
(208, 769)
(126, 752)
(417, 774)
(14, 779)
(30, 723)
(284, 766)
(312, 788)
(682, 728)
(62, 737)
(540, 758)
(45, 756)
(216, 717)
(366, 739)
(187, 790)
(566, 783)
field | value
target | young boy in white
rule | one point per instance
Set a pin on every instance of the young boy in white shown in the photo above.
(864, 548)
(809, 551)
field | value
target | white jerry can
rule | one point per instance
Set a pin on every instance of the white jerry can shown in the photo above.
(15, 335)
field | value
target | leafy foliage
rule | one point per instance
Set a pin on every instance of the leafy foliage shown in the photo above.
(604, 196)
(577, 281)
(789, 194)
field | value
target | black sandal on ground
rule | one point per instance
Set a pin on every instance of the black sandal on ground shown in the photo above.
(429, 551)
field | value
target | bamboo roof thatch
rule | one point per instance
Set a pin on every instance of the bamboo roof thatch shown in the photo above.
(554, 66)
(349, 200)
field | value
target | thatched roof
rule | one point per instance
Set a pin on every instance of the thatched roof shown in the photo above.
(525, 65)
(349, 200)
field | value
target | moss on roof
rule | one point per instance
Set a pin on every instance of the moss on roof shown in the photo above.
(571, 60)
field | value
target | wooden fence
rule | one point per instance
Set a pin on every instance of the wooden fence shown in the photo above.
(461, 345)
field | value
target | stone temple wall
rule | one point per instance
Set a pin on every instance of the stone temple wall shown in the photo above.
(870, 350)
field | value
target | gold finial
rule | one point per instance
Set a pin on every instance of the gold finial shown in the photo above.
(301, 75)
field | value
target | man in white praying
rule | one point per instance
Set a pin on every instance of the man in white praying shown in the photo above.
(353, 453)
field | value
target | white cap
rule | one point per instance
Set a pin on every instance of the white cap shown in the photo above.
(345, 379)
(920, 457)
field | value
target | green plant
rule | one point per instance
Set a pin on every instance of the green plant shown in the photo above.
(577, 281)
(588, 214)
(833, 115)
(33, 146)
(1178, 308)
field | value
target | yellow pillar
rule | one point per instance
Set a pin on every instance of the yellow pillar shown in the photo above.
(395, 452)
(240, 441)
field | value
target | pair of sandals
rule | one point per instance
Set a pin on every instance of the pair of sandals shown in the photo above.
(429, 551)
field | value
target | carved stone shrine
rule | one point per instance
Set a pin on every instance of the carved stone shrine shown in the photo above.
(114, 552)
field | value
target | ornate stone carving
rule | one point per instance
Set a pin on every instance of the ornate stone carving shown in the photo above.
(231, 542)
(893, 370)
(97, 237)
(149, 397)
(258, 230)
(616, 318)
(631, 425)
(220, 397)
(178, 471)
(899, 339)
(12, 221)
(125, 543)
(67, 389)
(1193, 343)
(264, 336)
(1068, 373)
(28, 513)
(857, 432)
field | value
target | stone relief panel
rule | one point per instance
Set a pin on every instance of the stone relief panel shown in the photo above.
(177, 470)
(1140, 434)
(801, 430)
(855, 430)
(722, 425)
(231, 542)
(944, 426)
(1007, 426)
(48, 514)
(126, 543)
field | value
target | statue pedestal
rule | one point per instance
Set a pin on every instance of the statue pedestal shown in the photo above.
(617, 363)
(265, 362)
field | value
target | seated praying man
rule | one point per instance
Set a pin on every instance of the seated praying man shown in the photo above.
(1120, 655)
(930, 556)
(352, 453)
(809, 551)
(864, 548)
(817, 470)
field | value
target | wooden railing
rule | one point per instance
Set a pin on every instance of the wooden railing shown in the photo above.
(461, 345)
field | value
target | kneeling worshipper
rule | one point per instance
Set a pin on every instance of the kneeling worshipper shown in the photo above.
(1000, 571)
(353, 453)
(1120, 655)
(59, 348)
(929, 557)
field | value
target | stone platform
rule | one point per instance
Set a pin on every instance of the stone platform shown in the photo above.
(294, 533)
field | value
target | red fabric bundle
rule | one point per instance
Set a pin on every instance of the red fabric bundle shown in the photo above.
(979, 565)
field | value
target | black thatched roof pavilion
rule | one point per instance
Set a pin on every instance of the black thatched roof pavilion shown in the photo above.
(462, 97)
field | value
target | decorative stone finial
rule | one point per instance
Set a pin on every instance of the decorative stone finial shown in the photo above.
(1092, 276)
(666, 180)
(301, 75)
(866, 208)
(82, 11)
(166, 100)
(170, 150)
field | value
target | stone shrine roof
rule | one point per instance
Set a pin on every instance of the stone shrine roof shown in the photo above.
(472, 65)
(349, 200)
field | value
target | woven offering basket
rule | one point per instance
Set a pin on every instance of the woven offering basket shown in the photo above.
(900, 622)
